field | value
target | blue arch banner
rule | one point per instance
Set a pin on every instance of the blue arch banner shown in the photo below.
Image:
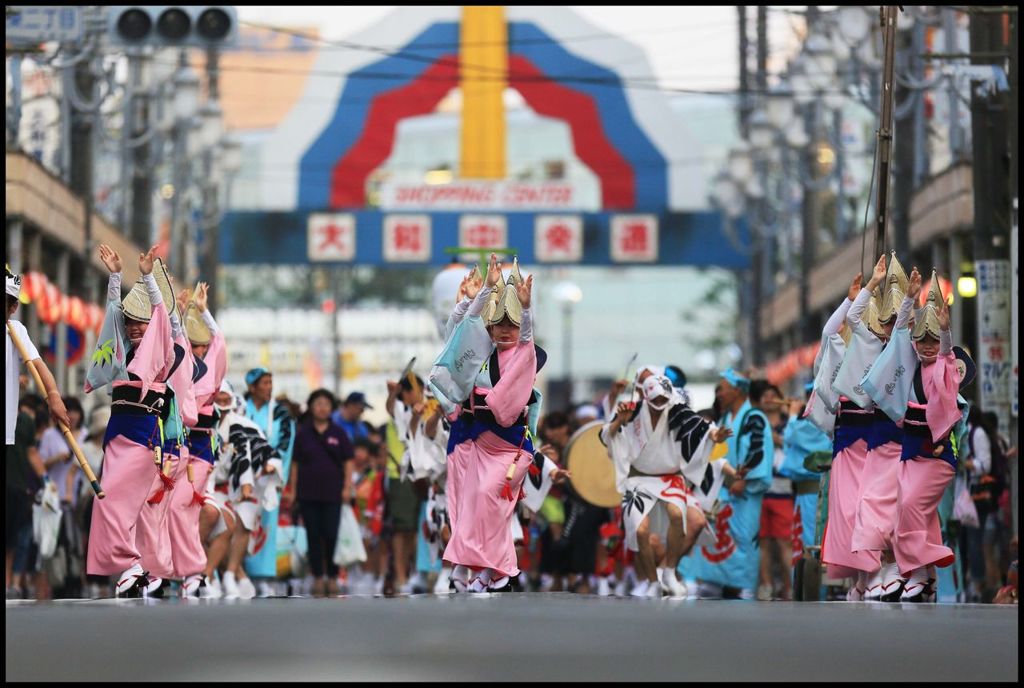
(701, 239)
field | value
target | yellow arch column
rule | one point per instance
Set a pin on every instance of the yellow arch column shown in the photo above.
(483, 76)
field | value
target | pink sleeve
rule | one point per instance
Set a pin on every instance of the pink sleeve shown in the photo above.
(518, 370)
(181, 381)
(217, 366)
(155, 352)
(941, 387)
(219, 351)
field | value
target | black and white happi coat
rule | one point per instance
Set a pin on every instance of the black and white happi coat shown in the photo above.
(246, 455)
(678, 451)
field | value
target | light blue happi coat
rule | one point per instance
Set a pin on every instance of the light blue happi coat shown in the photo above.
(799, 439)
(735, 557)
(263, 564)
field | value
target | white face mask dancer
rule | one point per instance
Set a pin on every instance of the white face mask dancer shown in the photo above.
(657, 388)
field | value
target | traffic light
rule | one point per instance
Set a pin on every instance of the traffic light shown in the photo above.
(166, 26)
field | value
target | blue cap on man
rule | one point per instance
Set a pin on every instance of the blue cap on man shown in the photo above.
(357, 398)
(735, 379)
(254, 375)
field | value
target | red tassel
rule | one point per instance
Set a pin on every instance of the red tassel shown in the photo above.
(158, 496)
(506, 491)
(197, 499)
(534, 469)
(522, 495)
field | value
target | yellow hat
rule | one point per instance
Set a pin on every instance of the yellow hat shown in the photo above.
(504, 300)
(893, 291)
(195, 327)
(927, 319)
(136, 305)
(872, 319)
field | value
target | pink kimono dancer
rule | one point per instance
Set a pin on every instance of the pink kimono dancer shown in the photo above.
(478, 503)
(152, 537)
(844, 489)
(187, 554)
(129, 475)
(925, 472)
(876, 512)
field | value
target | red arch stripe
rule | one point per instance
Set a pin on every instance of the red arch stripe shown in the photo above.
(421, 96)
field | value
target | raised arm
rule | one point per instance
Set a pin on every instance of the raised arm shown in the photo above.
(835, 322)
(112, 260)
(861, 302)
(907, 305)
(525, 291)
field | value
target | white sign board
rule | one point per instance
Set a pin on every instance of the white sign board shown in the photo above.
(558, 238)
(33, 24)
(480, 195)
(331, 237)
(634, 239)
(994, 362)
(407, 238)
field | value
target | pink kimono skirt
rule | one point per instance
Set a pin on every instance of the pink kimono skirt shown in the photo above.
(481, 512)
(844, 490)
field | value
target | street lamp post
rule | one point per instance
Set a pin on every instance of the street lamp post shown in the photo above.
(184, 104)
(568, 294)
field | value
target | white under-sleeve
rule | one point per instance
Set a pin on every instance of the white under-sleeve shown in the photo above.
(858, 307)
(114, 288)
(835, 323)
(903, 316)
(477, 306)
(526, 326)
(155, 297)
(945, 342)
(210, 322)
(460, 309)
(176, 329)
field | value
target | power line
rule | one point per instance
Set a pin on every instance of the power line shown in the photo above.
(511, 42)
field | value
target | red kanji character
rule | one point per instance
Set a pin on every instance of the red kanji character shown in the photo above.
(408, 238)
(332, 234)
(482, 235)
(558, 238)
(724, 544)
(635, 238)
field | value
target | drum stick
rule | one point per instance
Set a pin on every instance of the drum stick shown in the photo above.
(68, 436)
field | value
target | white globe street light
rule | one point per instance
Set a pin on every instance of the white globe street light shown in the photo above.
(741, 166)
(211, 125)
(854, 23)
(728, 195)
(780, 108)
(820, 62)
(231, 159)
(185, 95)
(567, 293)
(762, 130)
(796, 135)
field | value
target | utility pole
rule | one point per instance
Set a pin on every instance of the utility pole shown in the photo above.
(139, 215)
(1015, 284)
(908, 129)
(811, 201)
(992, 210)
(888, 15)
(761, 257)
(211, 212)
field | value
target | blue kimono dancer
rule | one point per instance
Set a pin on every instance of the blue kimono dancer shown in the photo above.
(800, 439)
(734, 559)
(281, 438)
